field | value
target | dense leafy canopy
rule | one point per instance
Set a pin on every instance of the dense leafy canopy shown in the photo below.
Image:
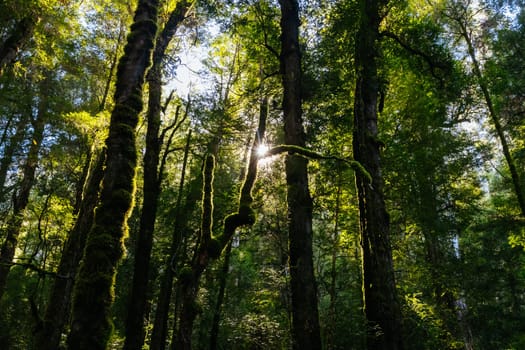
(450, 89)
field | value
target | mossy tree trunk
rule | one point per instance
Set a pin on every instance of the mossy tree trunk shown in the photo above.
(382, 310)
(21, 196)
(305, 318)
(152, 180)
(210, 248)
(93, 293)
(59, 304)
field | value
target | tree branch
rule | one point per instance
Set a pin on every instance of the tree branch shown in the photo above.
(307, 153)
(432, 63)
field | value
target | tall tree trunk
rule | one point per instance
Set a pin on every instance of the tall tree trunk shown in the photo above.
(21, 197)
(223, 274)
(59, 304)
(305, 318)
(209, 247)
(482, 82)
(382, 310)
(137, 304)
(160, 324)
(189, 278)
(93, 293)
(21, 34)
(223, 278)
(332, 290)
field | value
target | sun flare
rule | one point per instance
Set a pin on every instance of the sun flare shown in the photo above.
(262, 149)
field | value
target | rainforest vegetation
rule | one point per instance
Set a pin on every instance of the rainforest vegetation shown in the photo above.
(262, 174)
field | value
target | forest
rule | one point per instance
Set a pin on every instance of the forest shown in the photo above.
(262, 174)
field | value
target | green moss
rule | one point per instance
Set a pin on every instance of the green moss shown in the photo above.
(146, 25)
(358, 167)
(134, 102)
(207, 197)
(122, 113)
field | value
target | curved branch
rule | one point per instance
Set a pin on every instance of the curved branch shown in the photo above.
(307, 153)
(432, 63)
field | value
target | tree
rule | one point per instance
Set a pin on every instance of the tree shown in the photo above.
(208, 247)
(58, 308)
(21, 197)
(462, 17)
(152, 183)
(381, 306)
(305, 319)
(21, 33)
(93, 293)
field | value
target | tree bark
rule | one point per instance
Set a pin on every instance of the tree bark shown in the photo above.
(305, 318)
(137, 305)
(93, 293)
(21, 197)
(59, 304)
(381, 307)
(160, 324)
(21, 34)
(189, 277)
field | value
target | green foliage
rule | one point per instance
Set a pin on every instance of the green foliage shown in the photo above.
(493, 280)
(256, 331)
(457, 233)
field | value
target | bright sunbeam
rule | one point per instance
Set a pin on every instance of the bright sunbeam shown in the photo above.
(262, 149)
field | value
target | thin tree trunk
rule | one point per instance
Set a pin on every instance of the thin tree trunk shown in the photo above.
(332, 320)
(516, 180)
(382, 310)
(223, 278)
(151, 189)
(176, 313)
(223, 275)
(21, 197)
(93, 293)
(160, 324)
(305, 318)
(112, 68)
(58, 307)
(190, 276)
